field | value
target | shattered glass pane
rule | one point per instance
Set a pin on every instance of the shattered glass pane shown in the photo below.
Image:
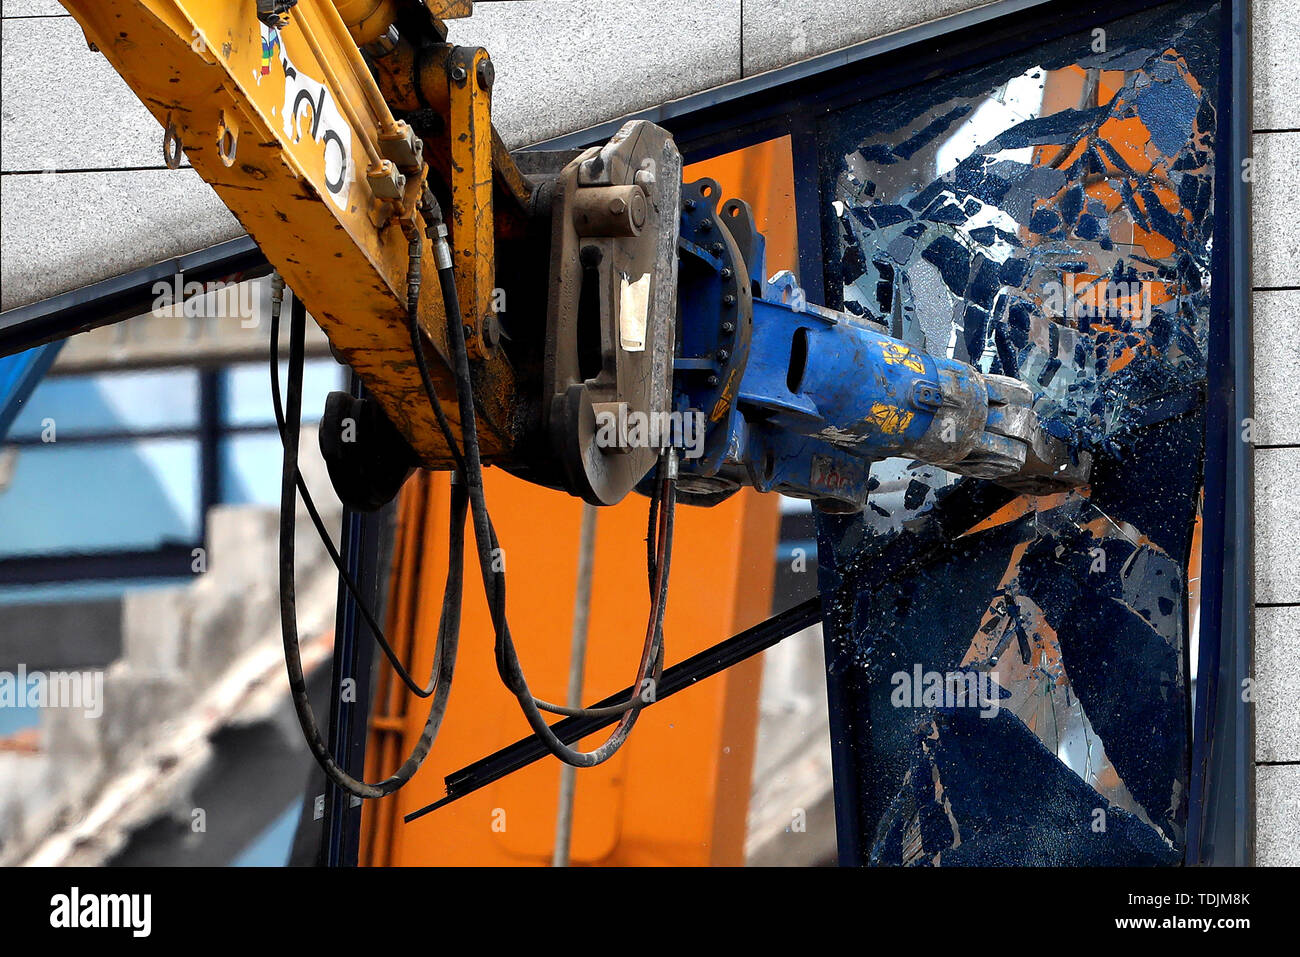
(1009, 673)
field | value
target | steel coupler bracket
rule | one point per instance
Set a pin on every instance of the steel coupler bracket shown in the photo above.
(611, 312)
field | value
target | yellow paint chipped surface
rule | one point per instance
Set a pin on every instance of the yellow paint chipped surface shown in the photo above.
(890, 419)
(896, 353)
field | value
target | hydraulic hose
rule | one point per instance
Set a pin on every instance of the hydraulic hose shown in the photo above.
(316, 520)
(486, 542)
(448, 626)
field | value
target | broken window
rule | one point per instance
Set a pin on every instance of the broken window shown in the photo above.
(1056, 194)
(1047, 216)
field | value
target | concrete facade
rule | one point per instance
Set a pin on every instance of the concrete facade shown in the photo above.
(1276, 282)
(84, 196)
(195, 660)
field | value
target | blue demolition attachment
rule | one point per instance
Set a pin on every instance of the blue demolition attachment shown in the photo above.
(777, 393)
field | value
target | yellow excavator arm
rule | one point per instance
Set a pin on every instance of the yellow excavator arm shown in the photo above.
(283, 117)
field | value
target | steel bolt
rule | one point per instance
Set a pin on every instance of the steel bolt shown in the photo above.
(491, 331)
(713, 380)
(486, 73)
(617, 206)
(688, 204)
(723, 355)
(717, 248)
(458, 74)
(728, 327)
(729, 299)
(726, 272)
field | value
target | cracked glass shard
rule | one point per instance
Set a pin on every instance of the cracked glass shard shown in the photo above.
(1048, 217)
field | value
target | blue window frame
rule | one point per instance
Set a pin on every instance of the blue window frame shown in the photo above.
(112, 473)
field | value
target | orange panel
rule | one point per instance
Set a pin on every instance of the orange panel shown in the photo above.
(678, 791)
(763, 176)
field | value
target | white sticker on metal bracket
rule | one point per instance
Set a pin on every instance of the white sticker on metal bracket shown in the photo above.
(633, 309)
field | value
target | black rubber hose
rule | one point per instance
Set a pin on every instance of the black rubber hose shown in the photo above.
(417, 349)
(448, 629)
(652, 562)
(440, 414)
(328, 541)
(493, 581)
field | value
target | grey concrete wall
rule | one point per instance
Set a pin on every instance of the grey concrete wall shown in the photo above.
(177, 644)
(791, 806)
(63, 635)
(84, 194)
(1276, 251)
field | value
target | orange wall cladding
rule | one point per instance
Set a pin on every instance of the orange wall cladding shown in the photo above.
(678, 791)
